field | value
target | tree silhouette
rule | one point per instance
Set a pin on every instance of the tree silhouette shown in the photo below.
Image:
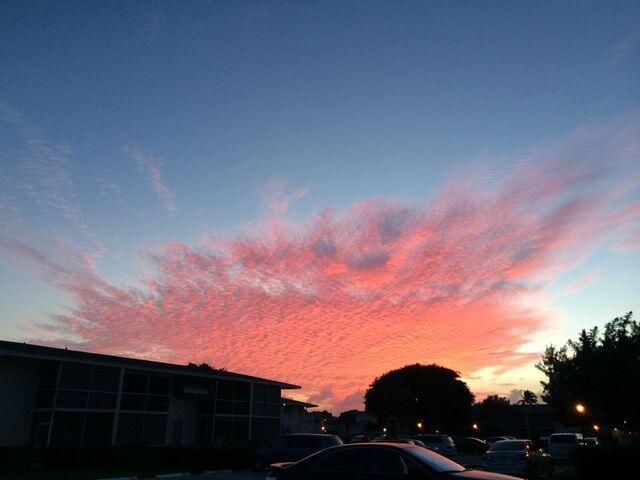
(494, 403)
(600, 371)
(527, 397)
(430, 394)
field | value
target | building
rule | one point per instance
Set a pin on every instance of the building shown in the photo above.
(296, 418)
(520, 421)
(59, 397)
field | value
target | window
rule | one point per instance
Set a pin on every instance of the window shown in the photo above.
(105, 379)
(71, 399)
(98, 428)
(144, 392)
(75, 375)
(242, 391)
(240, 429)
(222, 429)
(130, 427)
(344, 460)
(67, 429)
(155, 430)
(159, 385)
(225, 390)
(204, 430)
(135, 382)
(102, 400)
(266, 400)
(388, 462)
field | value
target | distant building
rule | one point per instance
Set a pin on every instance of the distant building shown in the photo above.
(296, 419)
(520, 421)
(59, 397)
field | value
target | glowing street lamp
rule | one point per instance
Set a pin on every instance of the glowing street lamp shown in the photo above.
(419, 425)
(474, 426)
(580, 408)
(384, 429)
(596, 427)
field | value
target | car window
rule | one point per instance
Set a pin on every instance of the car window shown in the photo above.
(563, 439)
(278, 443)
(508, 445)
(331, 441)
(300, 441)
(386, 461)
(344, 460)
(433, 461)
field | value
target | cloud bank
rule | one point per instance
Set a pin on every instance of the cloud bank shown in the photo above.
(337, 299)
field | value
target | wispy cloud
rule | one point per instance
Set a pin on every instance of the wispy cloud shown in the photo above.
(151, 167)
(581, 282)
(337, 299)
(44, 174)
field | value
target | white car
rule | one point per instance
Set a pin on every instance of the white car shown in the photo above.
(561, 445)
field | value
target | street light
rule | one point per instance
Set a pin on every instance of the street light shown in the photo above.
(384, 429)
(580, 408)
(419, 424)
(596, 427)
(474, 426)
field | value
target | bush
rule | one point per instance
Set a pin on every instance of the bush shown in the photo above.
(14, 458)
(190, 458)
(606, 461)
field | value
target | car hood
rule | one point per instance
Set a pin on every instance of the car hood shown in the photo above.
(479, 475)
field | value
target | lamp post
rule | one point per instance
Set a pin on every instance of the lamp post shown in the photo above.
(581, 410)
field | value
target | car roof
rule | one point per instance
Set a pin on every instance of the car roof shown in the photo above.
(308, 435)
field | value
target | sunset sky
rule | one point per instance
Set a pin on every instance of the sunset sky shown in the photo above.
(319, 192)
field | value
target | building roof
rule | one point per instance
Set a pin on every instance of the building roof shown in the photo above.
(41, 352)
(298, 403)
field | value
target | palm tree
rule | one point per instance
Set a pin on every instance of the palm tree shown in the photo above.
(527, 397)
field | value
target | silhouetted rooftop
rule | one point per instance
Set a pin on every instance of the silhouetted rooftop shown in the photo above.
(26, 350)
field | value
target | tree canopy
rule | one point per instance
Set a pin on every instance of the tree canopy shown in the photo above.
(494, 403)
(430, 394)
(527, 397)
(601, 370)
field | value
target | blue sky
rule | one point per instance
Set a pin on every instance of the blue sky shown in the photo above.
(333, 103)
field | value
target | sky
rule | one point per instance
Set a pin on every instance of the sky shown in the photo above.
(320, 192)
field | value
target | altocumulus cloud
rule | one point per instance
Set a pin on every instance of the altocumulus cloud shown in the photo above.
(335, 300)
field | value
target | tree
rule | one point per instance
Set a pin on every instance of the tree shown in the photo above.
(494, 403)
(527, 397)
(600, 370)
(430, 394)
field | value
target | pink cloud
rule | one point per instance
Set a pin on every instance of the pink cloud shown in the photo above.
(340, 298)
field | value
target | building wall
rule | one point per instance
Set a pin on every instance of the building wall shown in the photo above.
(52, 403)
(18, 385)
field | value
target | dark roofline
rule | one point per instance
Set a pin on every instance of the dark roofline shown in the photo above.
(291, 401)
(26, 350)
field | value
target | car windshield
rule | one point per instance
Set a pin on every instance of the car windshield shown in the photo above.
(563, 439)
(508, 445)
(434, 461)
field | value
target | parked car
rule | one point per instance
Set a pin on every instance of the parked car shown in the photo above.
(562, 444)
(388, 461)
(592, 441)
(291, 448)
(471, 445)
(442, 444)
(518, 458)
(492, 440)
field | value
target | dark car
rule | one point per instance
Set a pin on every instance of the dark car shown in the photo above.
(372, 461)
(442, 444)
(291, 448)
(518, 457)
(471, 445)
